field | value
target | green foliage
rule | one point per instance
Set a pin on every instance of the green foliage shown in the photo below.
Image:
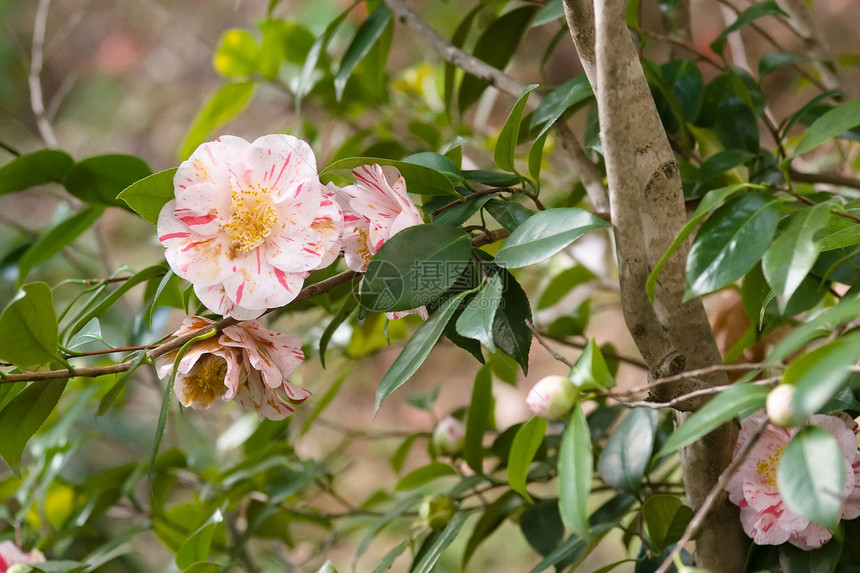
(227, 102)
(810, 470)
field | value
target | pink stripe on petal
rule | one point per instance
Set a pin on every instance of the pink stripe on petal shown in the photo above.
(239, 293)
(258, 261)
(282, 278)
(168, 236)
(283, 168)
(198, 220)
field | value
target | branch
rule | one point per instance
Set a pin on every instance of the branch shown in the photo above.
(37, 101)
(828, 178)
(582, 166)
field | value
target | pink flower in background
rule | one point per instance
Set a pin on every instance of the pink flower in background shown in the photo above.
(11, 555)
(249, 222)
(375, 209)
(246, 362)
(754, 489)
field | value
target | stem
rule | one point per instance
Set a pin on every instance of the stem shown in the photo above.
(37, 100)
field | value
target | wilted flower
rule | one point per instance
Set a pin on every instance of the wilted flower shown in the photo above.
(448, 436)
(249, 222)
(11, 555)
(552, 397)
(753, 487)
(374, 209)
(246, 362)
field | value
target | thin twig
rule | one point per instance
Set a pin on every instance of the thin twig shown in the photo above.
(715, 493)
(685, 397)
(37, 100)
(826, 178)
(543, 343)
(613, 355)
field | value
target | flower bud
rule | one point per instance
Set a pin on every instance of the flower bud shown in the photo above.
(448, 436)
(552, 397)
(778, 406)
(437, 510)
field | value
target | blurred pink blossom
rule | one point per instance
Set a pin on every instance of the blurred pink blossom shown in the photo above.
(11, 555)
(246, 362)
(753, 487)
(249, 222)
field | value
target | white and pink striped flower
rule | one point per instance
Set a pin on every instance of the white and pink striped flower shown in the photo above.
(753, 487)
(249, 222)
(246, 362)
(11, 555)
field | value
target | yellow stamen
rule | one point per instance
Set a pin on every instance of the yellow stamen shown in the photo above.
(251, 220)
(205, 382)
(767, 467)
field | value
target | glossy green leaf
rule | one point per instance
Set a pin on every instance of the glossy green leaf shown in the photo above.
(736, 125)
(416, 350)
(56, 239)
(414, 267)
(709, 201)
(327, 567)
(365, 37)
(437, 162)
(495, 47)
(423, 475)
(32, 169)
(237, 54)
(316, 55)
(832, 124)
(840, 232)
(730, 243)
(509, 214)
(476, 321)
(575, 466)
(506, 144)
(821, 374)
(147, 196)
(721, 162)
(726, 405)
(563, 283)
(388, 559)
(542, 526)
(420, 179)
(122, 379)
(59, 566)
(510, 333)
(198, 546)
(23, 416)
(569, 551)
(283, 41)
(429, 556)
(817, 327)
(810, 476)
(560, 99)
(28, 327)
(666, 518)
(822, 560)
(791, 256)
(536, 159)
(525, 445)
(750, 14)
(494, 515)
(551, 11)
(591, 371)
(773, 61)
(478, 419)
(99, 180)
(544, 234)
(458, 39)
(222, 106)
(625, 457)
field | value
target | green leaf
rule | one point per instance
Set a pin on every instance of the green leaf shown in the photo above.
(811, 475)
(365, 37)
(476, 321)
(387, 560)
(569, 94)
(544, 234)
(591, 371)
(726, 405)
(509, 214)
(414, 267)
(822, 560)
(510, 333)
(416, 350)
(221, 107)
(28, 327)
(56, 239)
(709, 201)
(736, 124)
(430, 555)
(792, 255)
(666, 518)
(197, 547)
(32, 169)
(575, 466)
(147, 196)
(398, 510)
(817, 327)
(495, 47)
(99, 180)
(23, 416)
(526, 443)
(506, 144)
(551, 11)
(730, 243)
(111, 395)
(316, 53)
(494, 515)
(420, 179)
(542, 526)
(437, 162)
(536, 158)
(773, 61)
(237, 54)
(821, 374)
(831, 124)
(478, 419)
(721, 162)
(567, 552)
(61, 566)
(625, 457)
(327, 567)
(754, 12)
(562, 283)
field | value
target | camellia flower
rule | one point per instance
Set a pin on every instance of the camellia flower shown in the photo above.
(246, 362)
(11, 555)
(754, 489)
(249, 222)
(375, 209)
